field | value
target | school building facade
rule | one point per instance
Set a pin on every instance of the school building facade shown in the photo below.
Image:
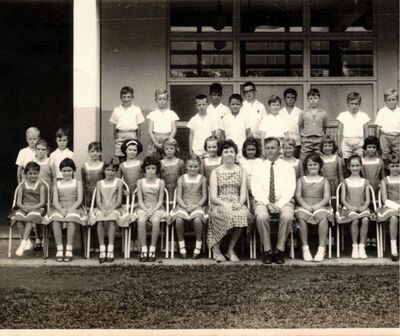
(337, 46)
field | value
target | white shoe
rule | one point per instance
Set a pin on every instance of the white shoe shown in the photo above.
(362, 253)
(306, 253)
(20, 250)
(355, 253)
(28, 245)
(320, 254)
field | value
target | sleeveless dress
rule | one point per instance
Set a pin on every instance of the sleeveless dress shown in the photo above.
(208, 166)
(150, 199)
(356, 197)
(109, 194)
(393, 194)
(90, 176)
(296, 165)
(331, 172)
(191, 194)
(371, 171)
(30, 196)
(170, 172)
(223, 219)
(67, 196)
(131, 173)
(312, 193)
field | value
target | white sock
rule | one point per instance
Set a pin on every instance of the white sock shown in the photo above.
(361, 247)
(181, 243)
(355, 246)
(60, 247)
(393, 247)
(199, 244)
(102, 248)
(144, 249)
(110, 248)
(68, 248)
(152, 249)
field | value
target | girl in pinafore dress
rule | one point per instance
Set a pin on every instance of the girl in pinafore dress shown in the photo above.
(312, 196)
(45, 174)
(228, 189)
(289, 147)
(373, 170)
(108, 212)
(333, 164)
(390, 190)
(191, 195)
(251, 158)
(355, 198)
(150, 211)
(171, 167)
(31, 199)
(67, 209)
(212, 161)
(131, 169)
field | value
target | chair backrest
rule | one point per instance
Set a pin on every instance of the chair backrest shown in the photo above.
(380, 198)
(48, 201)
(14, 202)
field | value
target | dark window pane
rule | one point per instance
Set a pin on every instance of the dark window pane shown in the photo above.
(201, 59)
(201, 16)
(271, 58)
(271, 16)
(341, 15)
(341, 58)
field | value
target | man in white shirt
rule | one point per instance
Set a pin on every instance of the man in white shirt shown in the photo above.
(273, 184)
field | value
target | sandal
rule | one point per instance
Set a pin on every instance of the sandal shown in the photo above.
(218, 256)
(60, 256)
(143, 257)
(68, 256)
(196, 253)
(183, 253)
(152, 257)
(102, 257)
(110, 257)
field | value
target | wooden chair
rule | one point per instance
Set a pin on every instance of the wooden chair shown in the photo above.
(340, 242)
(125, 230)
(45, 227)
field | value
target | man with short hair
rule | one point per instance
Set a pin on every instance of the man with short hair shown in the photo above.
(273, 184)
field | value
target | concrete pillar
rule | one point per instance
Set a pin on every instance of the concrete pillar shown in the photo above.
(86, 77)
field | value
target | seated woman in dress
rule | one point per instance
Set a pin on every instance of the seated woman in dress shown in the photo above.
(228, 192)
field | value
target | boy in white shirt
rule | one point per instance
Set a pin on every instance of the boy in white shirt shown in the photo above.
(253, 110)
(162, 123)
(126, 119)
(353, 128)
(292, 112)
(201, 126)
(216, 109)
(60, 153)
(275, 124)
(388, 120)
(28, 153)
(235, 125)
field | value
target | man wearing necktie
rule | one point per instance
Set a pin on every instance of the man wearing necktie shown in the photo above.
(273, 184)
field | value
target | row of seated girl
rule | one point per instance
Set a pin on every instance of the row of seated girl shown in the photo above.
(93, 171)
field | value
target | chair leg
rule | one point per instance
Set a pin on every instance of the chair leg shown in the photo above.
(204, 237)
(88, 236)
(172, 241)
(251, 242)
(383, 240)
(255, 244)
(378, 243)
(126, 243)
(329, 242)
(166, 240)
(46, 238)
(337, 241)
(10, 242)
(129, 240)
(342, 240)
(291, 245)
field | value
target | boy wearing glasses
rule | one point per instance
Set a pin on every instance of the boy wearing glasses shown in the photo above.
(252, 109)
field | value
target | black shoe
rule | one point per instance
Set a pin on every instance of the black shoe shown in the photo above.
(395, 257)
(267, 258)
(279, 258)
(152, 257)
(143, 257)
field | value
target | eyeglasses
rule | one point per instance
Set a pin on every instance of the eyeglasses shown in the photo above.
(247, 91)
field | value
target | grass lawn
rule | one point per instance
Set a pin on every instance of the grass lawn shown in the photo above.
(239, 296)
